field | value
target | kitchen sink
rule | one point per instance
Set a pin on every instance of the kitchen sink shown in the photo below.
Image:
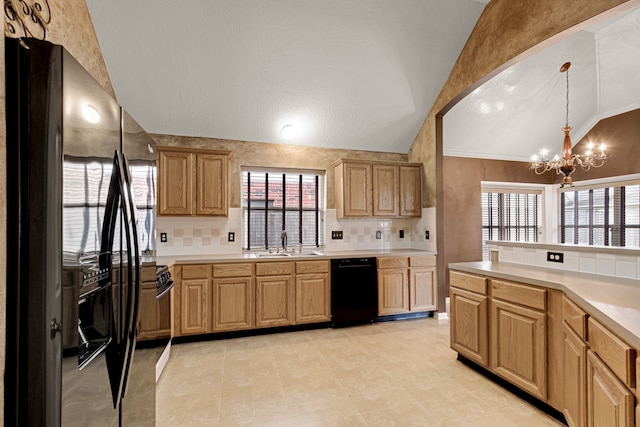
(288, 254)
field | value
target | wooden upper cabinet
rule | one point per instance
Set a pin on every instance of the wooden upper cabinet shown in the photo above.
(211, 185)
(376, 188)
(385, 190)
(410, 190)
(353, 189)
(176, 177)
(192, 182)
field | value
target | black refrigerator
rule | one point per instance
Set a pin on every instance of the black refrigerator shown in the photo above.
(77, 239)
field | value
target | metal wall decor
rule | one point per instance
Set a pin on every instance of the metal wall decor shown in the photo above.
(27, 18)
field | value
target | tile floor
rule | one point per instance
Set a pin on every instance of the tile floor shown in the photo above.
(388, 374)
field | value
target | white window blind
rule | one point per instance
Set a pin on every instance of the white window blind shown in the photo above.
(604, 216)
(512, 215)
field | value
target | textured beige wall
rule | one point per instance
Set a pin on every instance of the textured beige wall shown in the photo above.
(246, 153)
(70, 26)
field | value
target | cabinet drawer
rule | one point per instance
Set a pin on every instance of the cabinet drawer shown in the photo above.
(617, 354)
(232, 270)
(196, 271)
(575, 317)
(393, 262)
(519, 294)
(148, 273)
(304, 267)
(274, 268)
(422, 261)
(469, 282)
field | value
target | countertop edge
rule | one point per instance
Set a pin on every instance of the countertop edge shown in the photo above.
(578, 286)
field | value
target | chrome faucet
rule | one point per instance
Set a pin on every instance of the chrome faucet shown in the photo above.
(283, 236)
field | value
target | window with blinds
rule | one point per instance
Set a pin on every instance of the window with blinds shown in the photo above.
(276, 201)
(604, 216)
(510, 216)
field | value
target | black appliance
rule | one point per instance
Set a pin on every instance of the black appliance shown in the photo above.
(354, 291)
(76, 239)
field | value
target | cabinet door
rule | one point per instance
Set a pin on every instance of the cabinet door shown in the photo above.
(385, 190)
(469, 325)
(211, 185)
(148, 318)
(313, 303)
(518, 346)
(194, 311)
(393, 291)
(609, 402)
(274, 301)
(574, 375)
(357, 189)
(410, 191)
(233, 304)
(175, 186)
(422, 289)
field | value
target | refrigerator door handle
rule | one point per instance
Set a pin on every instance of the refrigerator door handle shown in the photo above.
(133, 279)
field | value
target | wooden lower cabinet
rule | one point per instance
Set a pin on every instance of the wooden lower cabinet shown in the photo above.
(233, 303)
(275, 301)
(313, 303)
(574, 372)
(194, 309)
(155, 315)
(518, 346)
(313, 292)
(609, 402)
(469, 325)
(422, 289)
(393, 291)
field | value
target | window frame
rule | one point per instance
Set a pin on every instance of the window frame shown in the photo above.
(501, 188)
(283, 175)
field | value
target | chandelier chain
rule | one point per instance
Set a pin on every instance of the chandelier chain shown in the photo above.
(567, 113)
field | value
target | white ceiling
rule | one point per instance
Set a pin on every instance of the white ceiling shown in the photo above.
(523, 109)
(359, 74)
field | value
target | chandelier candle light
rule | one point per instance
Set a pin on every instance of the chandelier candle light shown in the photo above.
(566, 165)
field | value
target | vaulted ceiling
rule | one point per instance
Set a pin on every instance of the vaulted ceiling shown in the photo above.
(523, 109)
(357, 74)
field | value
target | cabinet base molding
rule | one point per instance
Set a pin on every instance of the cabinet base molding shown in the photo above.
(248, 333)
(544, 407)
(405, 316)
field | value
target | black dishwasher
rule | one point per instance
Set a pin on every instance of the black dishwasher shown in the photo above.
(354, 291)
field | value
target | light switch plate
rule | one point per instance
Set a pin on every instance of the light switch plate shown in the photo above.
(336, 235)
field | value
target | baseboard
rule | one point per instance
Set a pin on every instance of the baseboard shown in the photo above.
(443, 316)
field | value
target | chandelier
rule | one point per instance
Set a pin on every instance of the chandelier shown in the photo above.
(566, 165)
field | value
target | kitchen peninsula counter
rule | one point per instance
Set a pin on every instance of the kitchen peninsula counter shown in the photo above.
(614, 301)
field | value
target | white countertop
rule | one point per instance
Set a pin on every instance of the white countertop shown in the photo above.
(614, 301)
(222, 258)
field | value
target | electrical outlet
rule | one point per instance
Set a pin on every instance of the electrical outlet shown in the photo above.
(336, 235)
(402, 234)
(426, 235)
(555, 257)
(163, 237)
(232, 236)
(378, 235)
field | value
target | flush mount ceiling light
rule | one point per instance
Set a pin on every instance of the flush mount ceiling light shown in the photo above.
(90, 114)
(289, 132)
(566, 165)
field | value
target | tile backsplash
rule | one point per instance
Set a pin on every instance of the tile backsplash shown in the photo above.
(209, 236)
(604, 261)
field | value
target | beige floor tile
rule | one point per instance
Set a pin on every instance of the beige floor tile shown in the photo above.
(388, 374)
